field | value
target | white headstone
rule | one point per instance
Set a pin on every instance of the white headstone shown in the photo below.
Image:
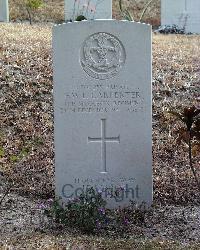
(4, 12)
(91, 9)
(183, 13)
(102, 104)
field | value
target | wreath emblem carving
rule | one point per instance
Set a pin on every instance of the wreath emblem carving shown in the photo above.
(102, 56)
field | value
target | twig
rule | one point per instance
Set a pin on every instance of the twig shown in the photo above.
(126, 14)
(29, 14)
(145, 9)
(190, 159)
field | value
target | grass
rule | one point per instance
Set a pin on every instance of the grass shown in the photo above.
(51, 241)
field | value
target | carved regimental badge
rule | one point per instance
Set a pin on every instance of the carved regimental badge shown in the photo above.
(102, 56)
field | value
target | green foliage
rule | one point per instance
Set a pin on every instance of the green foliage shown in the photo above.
(33, 4)
(14, 158)
(86, 212)
(80, 18)
(38, 141)
(23, 153)
(127, 15)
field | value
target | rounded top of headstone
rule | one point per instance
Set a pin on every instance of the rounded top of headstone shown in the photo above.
(101, 21)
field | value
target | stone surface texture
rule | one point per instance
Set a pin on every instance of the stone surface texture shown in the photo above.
(4, 11)
(102, 102)
(183, 13)
(92, 9)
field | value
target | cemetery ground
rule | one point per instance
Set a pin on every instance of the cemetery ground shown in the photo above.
(53, 11)
(27, 154)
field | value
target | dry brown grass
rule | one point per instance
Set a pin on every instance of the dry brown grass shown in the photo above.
(53, 11)
(50, 241)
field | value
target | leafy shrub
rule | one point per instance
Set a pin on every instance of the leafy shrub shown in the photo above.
(80, 18)
(86, 212)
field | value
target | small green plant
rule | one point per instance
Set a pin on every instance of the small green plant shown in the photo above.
(189, 133)
(31, 6)
(14, 158)
(23, 153)
(127, 15)
(87, 212)
(80, 18)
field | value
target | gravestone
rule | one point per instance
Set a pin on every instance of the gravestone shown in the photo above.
(183, 13)
(102, 108)
(4, 11)
(91, 9)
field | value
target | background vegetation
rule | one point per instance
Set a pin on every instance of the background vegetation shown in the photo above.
(53, 10)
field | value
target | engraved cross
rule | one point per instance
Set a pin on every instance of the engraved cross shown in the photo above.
(103, 140)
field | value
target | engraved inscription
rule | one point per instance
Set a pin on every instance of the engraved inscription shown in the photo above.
(100, 98)
(103, 140)
(102, 56)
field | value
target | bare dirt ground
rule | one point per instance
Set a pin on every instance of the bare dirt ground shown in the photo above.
(26, 145)
(24, 226)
